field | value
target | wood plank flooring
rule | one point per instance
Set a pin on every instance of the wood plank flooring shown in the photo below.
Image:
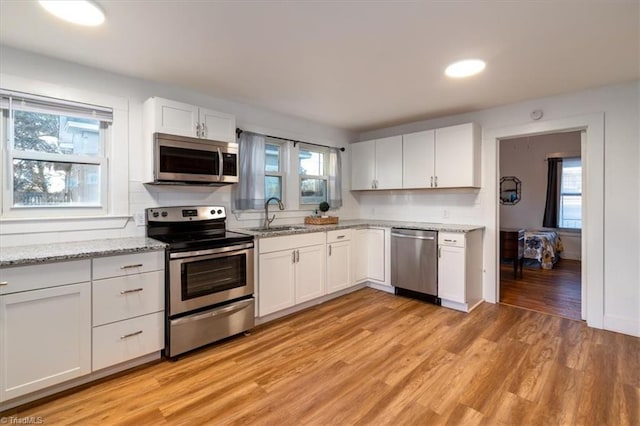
(371, 358)
(554, 291)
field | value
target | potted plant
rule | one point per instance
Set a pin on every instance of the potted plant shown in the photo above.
(324, 208)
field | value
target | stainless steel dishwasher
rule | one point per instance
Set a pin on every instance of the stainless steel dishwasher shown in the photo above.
(414, 263)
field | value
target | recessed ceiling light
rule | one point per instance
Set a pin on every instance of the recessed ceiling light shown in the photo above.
(81, 12)
(465, 68)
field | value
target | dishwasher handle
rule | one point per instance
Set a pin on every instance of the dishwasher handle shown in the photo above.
(413, 237)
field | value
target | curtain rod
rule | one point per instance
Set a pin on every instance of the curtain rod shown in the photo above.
(295, 142)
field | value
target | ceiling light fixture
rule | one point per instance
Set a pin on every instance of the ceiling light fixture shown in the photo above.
(465, 68)
(81, 12)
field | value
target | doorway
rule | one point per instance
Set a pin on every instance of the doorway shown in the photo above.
(540, 222)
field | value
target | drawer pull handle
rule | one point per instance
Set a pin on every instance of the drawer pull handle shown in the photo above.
(137, 265)
(131, 334)
(450, 241)
(339, 237)
(135, 290)
(3, 283)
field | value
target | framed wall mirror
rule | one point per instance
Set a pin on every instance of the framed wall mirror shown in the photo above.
(510, 190)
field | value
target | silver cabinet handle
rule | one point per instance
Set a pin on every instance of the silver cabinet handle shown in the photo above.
(293, 256)
(436, 181)
(431, 181)
(198, 129)
(339, 237)
(450, 241)
(3, 283)
(203, 130)
(439, 251)
(297, 256)
(137, 265)
(329, 249)
(220, 164)
(135, 290)
(135, 333)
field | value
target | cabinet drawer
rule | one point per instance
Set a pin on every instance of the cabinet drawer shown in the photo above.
(267, 245)
(129, 339)
(120, 298)
(452, 239)
(128, 264)
(33, 277)
(338, 235)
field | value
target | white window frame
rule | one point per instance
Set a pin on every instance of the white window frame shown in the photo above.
(325, 176)
(281, 167)
(561, 194)
(116, 152)
(11, 154)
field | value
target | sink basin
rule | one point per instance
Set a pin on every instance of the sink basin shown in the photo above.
(277, 228)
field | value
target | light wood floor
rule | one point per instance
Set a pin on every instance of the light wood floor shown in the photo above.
(554, 291)
(372, 358)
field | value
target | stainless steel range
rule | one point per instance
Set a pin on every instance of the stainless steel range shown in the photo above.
(209, 278)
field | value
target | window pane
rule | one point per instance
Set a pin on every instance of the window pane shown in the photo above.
(46, 183)
(313, 191)
(59, 134)
(311, 163)
(272, 158)
(571, 211)
(272, 187)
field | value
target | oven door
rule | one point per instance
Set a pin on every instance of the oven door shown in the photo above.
(207, 277)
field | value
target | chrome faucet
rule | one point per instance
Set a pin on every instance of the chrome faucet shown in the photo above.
(268, 221)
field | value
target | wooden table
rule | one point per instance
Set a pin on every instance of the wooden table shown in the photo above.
(512, 248)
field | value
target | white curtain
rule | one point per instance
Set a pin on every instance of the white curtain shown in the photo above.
(250, 188)
(335, 179)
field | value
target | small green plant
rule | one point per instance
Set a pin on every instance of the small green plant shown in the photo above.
(324, 207)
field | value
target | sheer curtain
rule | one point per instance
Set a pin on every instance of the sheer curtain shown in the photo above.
(550, 219)
(335, 179)
(250, 188)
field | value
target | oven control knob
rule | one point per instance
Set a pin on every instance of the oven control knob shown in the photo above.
(156, 214)
(219, 211)
(164, 214)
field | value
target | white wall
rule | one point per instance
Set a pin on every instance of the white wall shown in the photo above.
(620, 299)
(136, 91)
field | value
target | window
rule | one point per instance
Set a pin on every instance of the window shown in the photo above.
(273, 181)
(55, 153)
(570, 211)
(313, 171)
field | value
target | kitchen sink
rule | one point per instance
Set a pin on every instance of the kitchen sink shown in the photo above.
(277, 228)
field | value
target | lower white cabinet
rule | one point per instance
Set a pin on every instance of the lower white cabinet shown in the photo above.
(460, 269)
(372, 255)
(339, 263)
(128, 307)
(291, 270)
(45, 333)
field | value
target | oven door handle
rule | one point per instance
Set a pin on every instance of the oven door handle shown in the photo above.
(227, 310)
(238, 247)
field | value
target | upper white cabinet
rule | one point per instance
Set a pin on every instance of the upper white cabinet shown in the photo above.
(178, 118)
(377, 164)
(442, 158)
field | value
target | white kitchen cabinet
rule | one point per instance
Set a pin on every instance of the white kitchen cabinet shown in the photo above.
(339, 263)
(372, 256)
(291, 270)
(128, 307)
(377, 164)
(448, 157)
(178, 118)
(45, 326)
(460, 269)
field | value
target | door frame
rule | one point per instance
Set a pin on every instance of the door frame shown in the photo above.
(592, 149)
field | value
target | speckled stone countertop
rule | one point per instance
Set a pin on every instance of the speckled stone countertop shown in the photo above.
(54, 252)
(360, 223)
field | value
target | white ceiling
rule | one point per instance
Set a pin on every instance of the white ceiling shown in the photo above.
(356, 65)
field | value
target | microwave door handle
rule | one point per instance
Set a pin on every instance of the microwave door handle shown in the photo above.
(220, 163)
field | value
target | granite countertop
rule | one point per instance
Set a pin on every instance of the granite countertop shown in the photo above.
(360, 223)
(53, 252)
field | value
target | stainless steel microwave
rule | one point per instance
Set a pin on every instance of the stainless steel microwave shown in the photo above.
(185, 160)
